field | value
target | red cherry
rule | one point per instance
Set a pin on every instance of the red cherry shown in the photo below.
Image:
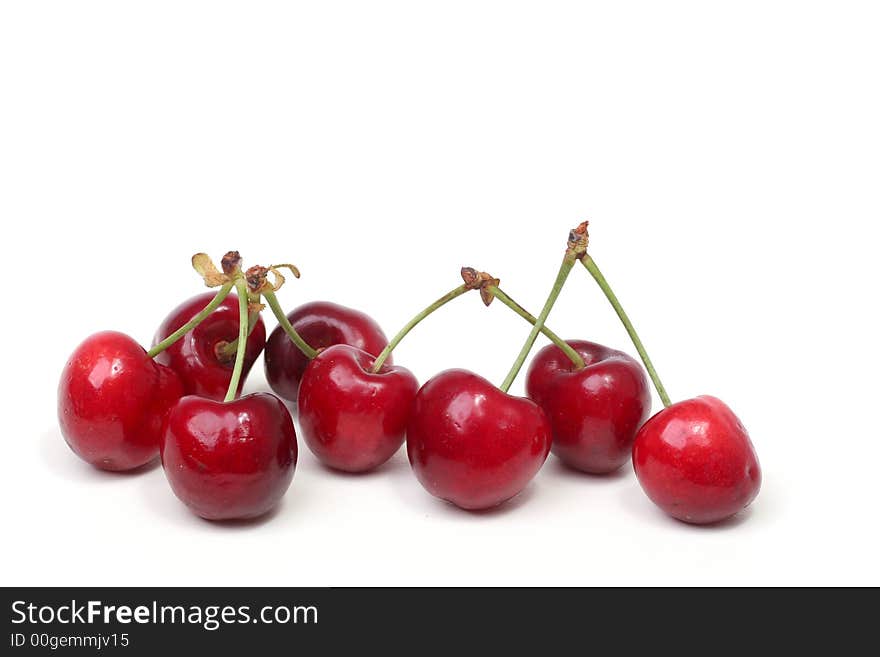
(229, 460)
(194, 356)
(321, 324)
(472, 444)
(112, 401)
(594, 411)
(352, 418)
(695, 461)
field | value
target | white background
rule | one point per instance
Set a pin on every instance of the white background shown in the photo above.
(727, 154)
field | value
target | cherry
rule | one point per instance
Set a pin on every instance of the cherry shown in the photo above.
(112, 401)
(203, 358)
(321, 324)
(352, 418)
(695, 461)
(469, 442)
(472, 444)
(229, 460)
(594, 410)
(354, 407)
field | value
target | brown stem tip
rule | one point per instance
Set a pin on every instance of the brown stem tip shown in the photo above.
(578, 240)
(256, 278)
(480, 280)
(231, 262)
(223, 353)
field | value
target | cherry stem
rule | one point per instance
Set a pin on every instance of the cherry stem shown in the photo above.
(241, 290)
(228, 350)
(295, 337)
(564, 271)
(566, 348)
(591, 267)
(195, 321)
(442, 301)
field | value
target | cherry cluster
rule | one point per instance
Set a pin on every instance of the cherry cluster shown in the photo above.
(468, 441)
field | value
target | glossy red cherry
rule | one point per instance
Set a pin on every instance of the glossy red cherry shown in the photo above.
(195, 358)
(321, 324)
(352, 418)
(472, 444)
(112, 401)
(695, 461)
(595, 411)
(229, 460)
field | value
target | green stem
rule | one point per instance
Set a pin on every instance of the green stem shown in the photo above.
(191, 324)
(295, 337)
(227, 351)
(241, 290)
(566, 348)
(564, 271)
(442, 301)
(591, 267)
